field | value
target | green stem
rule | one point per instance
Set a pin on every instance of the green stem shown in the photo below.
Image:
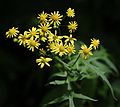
(76, 60)
(63, 63)
(71, 102)
(69, 85)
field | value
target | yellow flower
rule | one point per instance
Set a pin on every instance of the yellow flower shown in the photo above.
(59, 48)
(95, 43)
(70, 39)
(51, 46)
(42, 51)
(12, 32)
(72, 26)
(23, 38)
(55, 18)
(70, 12)
(43, 38)
(33, 33)
(44, 28)
(43, 61)
(54, 37)
(32, 44)
(70, 49)
(43, 17)
(85, 51)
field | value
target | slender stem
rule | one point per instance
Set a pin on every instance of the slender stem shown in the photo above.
(69, 85)
(64, 64)
(76, 60)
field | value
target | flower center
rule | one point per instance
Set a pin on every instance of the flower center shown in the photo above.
(55, 37)
(73, 26)
(86, 51)
(61, 48)
(44, 28)
(23, 38)
(33, 43)
(70, 12)
(12, 31)
(95, 43)
(69, 49)
(70, 38)
(42, 17)
(33, 33)
(55, 17)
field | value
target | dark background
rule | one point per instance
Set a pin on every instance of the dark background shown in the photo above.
(22, 83)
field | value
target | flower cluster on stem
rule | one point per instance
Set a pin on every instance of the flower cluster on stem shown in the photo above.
(46, 38)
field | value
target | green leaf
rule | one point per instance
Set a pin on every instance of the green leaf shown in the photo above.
(60, 74)
(101, 74)
(71, 102)
(57, 100)
(104, 68)
(81, 96)
(58, 82)
(63, 63)
(110, 64)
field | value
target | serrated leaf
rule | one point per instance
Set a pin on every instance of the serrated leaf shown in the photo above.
(81, 96)
(58, 82)
(57, 100)
(101, 74)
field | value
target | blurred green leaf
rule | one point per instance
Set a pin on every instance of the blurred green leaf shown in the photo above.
(58, 82)
(101, 74)
(110, 64)
(81, 96)
(59, 74)
(57, 100)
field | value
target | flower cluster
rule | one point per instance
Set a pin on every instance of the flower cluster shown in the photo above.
(48, 39)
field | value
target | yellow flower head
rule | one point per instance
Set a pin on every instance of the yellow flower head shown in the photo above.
(54, 37)
(72, 26)
(70, 49)
(42, 51)
(95, 43)
(59, 48)
(12, 32)
(55, 18)
(43, 61)
(32, 44)
(51, 46)
(43, 17)
(33, 32)
(85, 51)
(70, 39)
(44, 27)
(22, 39)
(70, 12)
